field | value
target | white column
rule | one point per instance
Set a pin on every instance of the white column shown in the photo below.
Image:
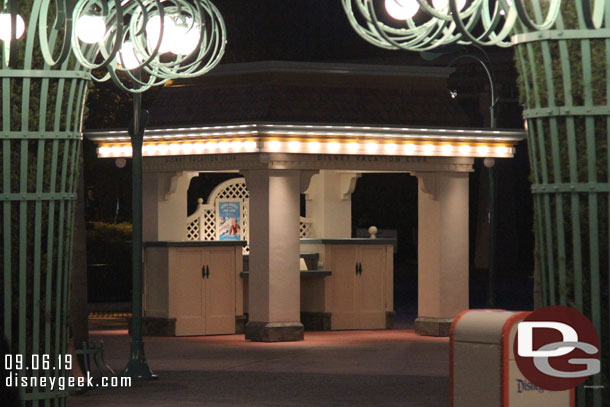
(274, 276)
(329, 204)
(164, 205)
(442, 250)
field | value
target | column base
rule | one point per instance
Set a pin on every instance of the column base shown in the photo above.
(389, 319)
(156, 326)
(240, 323)
(316, 321)
(426, 326)
(274, 331)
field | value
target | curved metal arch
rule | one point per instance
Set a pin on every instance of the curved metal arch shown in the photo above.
(62, 19)
(549, 20)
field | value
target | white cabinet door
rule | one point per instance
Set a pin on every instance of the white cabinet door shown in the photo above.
(187, 291)
(359, 290)
(344, 301)
(220, 290)
(371, 287)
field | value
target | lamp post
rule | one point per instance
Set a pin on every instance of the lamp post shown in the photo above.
(489, 164)
(491, 259)
(558, 45)
(137, 366)
(48, 53)
(163, 41)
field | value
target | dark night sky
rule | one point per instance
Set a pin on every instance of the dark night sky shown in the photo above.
(318, 31)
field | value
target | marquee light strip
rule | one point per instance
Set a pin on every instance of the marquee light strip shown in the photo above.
(323, 132)
(297, 146)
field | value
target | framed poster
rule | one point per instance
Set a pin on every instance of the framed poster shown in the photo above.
(228, 220)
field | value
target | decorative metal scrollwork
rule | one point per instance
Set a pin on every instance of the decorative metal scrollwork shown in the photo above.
(425, 25)
(165, 40)
(156, 40)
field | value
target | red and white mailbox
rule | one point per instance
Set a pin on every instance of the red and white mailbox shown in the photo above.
(483, 370)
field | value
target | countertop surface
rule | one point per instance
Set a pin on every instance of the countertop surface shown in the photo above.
(349, 241)
(196, 243)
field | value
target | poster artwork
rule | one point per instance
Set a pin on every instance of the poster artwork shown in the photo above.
(229, 220)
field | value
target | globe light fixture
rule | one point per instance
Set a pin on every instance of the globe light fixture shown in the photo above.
(120, 162)
(180, 35)
(90, 29)
(401, 9)
(127, 56)
(5, 27)
(187, 35)
(165, 33)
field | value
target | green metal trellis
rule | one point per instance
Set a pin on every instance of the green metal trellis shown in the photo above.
(41, 113)
(565, 78)
(44, 80)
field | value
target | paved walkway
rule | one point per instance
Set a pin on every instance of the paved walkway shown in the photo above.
(349, 368)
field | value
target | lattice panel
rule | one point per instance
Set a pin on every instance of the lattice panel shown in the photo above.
(305, 227)
(192, 230)
(237, 190)
(209, 222)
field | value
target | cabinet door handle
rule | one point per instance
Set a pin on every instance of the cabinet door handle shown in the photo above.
(207, 271)
(359, 268)
(203, 271)
(356, 268)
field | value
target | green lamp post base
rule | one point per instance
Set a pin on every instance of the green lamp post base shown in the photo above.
(137, 367)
